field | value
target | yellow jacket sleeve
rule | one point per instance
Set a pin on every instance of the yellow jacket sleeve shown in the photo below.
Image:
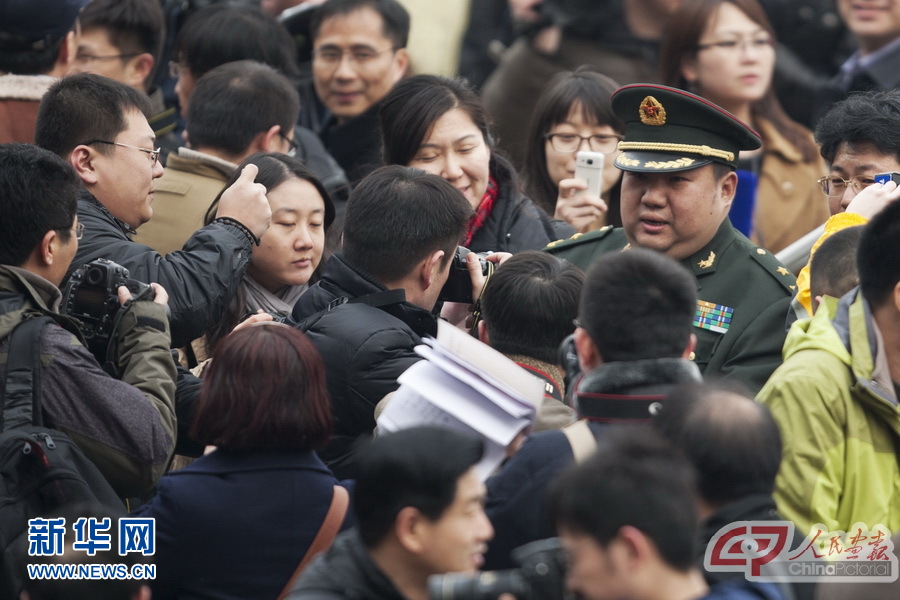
(834, 224)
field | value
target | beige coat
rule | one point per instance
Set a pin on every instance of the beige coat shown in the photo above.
(789, 202)
(182, 196)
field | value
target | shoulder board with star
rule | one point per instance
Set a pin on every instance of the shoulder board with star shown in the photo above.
(579, 238)
(775, 268)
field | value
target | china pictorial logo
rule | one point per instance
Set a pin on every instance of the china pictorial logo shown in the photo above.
(762, 551)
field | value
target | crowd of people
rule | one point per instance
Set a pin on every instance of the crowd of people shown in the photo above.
(298, 198)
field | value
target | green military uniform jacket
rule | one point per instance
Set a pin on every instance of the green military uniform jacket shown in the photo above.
(743, 297)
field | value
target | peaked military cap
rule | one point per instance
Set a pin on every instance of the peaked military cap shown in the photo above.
(668, 129)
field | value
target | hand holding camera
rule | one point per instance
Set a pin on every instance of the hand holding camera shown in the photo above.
(160, 295)
(97, 293)
(469, 275)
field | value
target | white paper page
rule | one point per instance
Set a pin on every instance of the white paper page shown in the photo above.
(407, 409)
(464, 403)
(497, 366)
(498, 393)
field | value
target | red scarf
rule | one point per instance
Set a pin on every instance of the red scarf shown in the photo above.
(484, 209)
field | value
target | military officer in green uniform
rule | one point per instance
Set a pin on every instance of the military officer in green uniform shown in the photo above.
(679, 155)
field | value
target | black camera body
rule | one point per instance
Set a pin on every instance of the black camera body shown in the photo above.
(459, 285)
(541, 576)
(91, 296)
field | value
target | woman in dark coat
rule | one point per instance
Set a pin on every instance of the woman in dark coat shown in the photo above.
(236, 522)
(439, 125)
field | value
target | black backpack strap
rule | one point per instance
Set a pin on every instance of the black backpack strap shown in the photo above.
(21, 398)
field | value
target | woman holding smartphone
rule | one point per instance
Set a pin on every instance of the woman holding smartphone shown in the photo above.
(574, 115)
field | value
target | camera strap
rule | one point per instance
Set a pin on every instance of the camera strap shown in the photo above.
(476, 308)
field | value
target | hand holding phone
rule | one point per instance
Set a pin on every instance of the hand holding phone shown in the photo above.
(579, 202)
(589, 168)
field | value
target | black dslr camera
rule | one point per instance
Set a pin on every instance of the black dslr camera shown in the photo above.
(459, 285)
(541, 576)
(91, 296)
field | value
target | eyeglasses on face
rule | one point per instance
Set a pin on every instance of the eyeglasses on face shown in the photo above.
(571, 142)
(154, 154)
(79, 230)
(834, 186)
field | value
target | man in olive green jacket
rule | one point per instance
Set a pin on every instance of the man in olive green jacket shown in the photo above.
(125, 426)
(835, 398)
(679, 156)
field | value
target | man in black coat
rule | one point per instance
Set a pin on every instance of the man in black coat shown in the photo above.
(359, 53)
(375, 300)
(99, 126)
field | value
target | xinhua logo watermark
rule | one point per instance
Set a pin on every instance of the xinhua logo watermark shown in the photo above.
(92, 541)
(762, 551)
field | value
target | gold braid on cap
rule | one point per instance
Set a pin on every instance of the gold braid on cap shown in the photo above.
(689, 148)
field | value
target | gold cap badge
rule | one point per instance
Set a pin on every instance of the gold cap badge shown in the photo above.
(652, 112)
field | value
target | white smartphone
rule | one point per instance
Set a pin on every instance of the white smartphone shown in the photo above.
(589, 167)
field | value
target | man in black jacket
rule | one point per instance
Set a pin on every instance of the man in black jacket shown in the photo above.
(375, 299)
(420, 512)
(100, 127)
(359, 53)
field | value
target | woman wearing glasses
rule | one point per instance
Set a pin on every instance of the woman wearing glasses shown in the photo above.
(439, 125)
(573, 114)
(724, 50)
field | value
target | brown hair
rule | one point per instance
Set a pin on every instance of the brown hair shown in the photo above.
(264, 390)
(684, 29)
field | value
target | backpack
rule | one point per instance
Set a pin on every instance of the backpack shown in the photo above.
(41, 469)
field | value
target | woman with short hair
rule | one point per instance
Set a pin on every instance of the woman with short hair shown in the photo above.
(237, 522)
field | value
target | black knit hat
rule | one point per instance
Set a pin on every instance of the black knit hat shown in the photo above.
(667, 129)
(36, 24)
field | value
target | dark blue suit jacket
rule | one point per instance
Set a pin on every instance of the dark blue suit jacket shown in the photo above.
(236, 526)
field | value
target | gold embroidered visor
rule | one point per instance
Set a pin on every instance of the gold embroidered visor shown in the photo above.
(667, 129)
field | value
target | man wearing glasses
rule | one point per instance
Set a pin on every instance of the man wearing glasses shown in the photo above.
(679, 156)
(126, 426)
(122, 40)
(858, 139)
(359, 53)
(99, 126)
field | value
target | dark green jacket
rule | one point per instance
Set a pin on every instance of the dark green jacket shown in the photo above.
(731, 272)
(126, 427)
